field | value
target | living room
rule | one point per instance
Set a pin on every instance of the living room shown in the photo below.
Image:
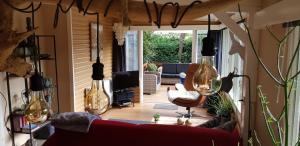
(57, 61)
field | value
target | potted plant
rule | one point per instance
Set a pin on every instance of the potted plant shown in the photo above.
(224, 108)
(156, 117)
(151, 67)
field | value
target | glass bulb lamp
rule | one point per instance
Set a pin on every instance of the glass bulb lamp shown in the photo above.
(206, 79)
(37, 110)
(96, 100)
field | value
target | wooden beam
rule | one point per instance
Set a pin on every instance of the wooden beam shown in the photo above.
(283, 11)
(180, 27)
(137, 10)
(235, 28)
(143, 23)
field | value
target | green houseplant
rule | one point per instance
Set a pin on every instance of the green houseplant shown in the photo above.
(224, 108)
(156, 117)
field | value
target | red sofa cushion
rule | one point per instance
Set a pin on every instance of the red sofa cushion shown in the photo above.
(113, 133)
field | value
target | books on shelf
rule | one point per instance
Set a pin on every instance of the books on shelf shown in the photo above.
(19, 120)
(27, 128)
(22, 125)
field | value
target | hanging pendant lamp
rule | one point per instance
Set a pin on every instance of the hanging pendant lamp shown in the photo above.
(206, 79)
(96, 100)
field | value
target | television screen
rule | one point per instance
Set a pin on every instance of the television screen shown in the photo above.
(123, 80)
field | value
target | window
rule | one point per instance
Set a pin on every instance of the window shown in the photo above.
(132, 63)
(228, 64)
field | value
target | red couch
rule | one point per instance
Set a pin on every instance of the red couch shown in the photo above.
(112, 133)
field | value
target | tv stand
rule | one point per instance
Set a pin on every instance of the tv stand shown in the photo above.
(123, 98)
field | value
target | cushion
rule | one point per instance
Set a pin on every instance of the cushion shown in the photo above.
(169, 68)
(184, 95)
(227, 126)
(182, 67)
(211, 123)
(170, 75)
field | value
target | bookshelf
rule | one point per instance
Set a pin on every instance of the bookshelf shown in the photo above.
(42, 57)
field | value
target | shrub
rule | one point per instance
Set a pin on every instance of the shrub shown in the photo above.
(164, 48)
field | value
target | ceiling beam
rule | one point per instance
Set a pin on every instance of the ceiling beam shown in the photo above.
(283, 11)
(180, 27)
(137, 10)
(234, 27)
(142, 23)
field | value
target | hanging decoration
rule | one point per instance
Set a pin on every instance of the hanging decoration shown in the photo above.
(121, 29)
(9, 40)
(120, 32)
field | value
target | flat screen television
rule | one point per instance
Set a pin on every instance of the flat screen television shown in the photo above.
(124, 80)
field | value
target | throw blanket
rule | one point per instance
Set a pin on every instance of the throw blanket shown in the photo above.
(74, 121)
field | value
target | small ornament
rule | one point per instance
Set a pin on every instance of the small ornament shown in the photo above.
(180, 121)
(188, 122)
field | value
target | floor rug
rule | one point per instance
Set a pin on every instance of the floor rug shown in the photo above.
(165, 106)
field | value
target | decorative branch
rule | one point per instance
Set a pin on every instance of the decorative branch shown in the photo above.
(159, 12)
(258, 141)
(255, 52)
(263, 102)
(148, 11)
(272, 34)
(292, 61)
(278, 62)
(287, 84)
(24, 10)
(107, 7)
(293, 77)
(59, 8)
(175, 24)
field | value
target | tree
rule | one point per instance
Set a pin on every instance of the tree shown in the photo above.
(164, 48)
(181, 41)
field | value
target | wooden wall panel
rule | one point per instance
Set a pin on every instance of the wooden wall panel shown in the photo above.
(81, 53)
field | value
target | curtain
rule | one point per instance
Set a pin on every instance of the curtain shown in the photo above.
(294, 113)
(119, 62)
(228, 64)
(217, 36)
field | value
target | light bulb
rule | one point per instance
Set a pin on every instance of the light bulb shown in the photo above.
(37, 109)
(206, 79)
(96, 101)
